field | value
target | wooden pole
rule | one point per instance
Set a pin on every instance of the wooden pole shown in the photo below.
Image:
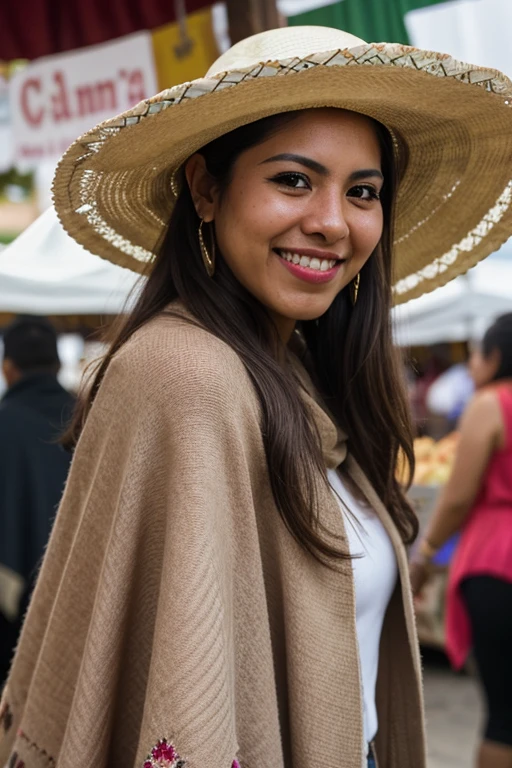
(247, 17)
(271, 16)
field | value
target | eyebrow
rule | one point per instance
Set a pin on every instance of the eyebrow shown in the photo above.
(366, 173)
(301, 160)
(313, 165)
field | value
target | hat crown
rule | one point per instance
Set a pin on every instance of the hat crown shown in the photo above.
(282, 43)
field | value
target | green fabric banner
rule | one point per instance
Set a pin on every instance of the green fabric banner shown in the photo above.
(371, 20)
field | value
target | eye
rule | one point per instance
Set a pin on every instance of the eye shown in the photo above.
(292, 180)
(364, 192)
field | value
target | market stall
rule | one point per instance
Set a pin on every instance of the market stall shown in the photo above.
(434, 462)
(458, 312)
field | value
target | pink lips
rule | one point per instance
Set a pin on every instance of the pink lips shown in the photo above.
(310, 275)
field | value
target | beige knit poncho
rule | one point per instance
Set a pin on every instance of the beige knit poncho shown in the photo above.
(174, 604)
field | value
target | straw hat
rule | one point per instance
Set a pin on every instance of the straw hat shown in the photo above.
(113, 189)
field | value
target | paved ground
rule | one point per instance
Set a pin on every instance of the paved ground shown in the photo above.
(453, 716)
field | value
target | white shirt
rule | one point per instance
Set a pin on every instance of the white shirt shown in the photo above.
(375, 574)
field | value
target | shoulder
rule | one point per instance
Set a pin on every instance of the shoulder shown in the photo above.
(484, 402)
(173, 356)
(483, 413)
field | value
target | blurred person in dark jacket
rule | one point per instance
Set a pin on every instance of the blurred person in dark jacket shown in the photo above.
(33, 466)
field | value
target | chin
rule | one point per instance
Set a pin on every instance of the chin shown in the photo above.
(312, 310)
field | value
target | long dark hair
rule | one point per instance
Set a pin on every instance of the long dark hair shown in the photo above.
(499, 338)
(350, 350)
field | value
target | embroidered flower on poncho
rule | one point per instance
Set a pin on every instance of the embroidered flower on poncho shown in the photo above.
(164, 755)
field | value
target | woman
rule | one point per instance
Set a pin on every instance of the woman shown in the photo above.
(478, 501)
(227, 582)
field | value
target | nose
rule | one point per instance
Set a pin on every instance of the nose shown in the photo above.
(325, 217)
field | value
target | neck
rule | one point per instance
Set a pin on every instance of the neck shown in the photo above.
(285, 326)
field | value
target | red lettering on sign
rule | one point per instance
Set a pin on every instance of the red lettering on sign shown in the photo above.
(97, 97)
(32, 116)
(60, 103)
(85, 100)
(26, 151)
(106, 95)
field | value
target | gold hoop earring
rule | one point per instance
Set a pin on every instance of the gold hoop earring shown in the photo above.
(355, 288)
(208, 259)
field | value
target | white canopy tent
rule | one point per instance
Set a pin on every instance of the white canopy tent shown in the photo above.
(45, 272)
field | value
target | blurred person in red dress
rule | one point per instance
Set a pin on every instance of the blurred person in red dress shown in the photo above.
(477, 500)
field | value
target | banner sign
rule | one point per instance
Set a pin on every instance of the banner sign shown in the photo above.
(6, 151)
(57, 98)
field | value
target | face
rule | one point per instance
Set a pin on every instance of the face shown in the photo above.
(483, 369)
(301, 214)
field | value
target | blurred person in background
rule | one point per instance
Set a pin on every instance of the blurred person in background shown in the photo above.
(450, 393)
(425, 375)
(478, 501)
(33, 466)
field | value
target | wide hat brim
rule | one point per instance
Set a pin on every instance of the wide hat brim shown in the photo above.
(113, 191)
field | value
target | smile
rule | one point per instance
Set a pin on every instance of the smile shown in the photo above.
(310, 268)
(308, 261)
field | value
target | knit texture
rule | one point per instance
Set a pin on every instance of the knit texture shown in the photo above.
(174, 604)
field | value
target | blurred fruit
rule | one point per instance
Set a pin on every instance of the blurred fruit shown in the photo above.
(434, 461)
(423, 448)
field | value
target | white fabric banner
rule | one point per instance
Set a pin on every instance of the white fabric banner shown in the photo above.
(294, 7)
(57, 98)
(476, 31)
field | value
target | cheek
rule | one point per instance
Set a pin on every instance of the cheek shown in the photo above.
(239, 217)
(248, 223)
(366, 233)
(374, 229)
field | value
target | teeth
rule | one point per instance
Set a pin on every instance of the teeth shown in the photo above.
(321, 265)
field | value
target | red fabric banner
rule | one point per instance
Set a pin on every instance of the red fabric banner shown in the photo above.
(34, 28)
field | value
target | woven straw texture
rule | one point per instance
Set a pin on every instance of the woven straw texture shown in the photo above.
(113, 186)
